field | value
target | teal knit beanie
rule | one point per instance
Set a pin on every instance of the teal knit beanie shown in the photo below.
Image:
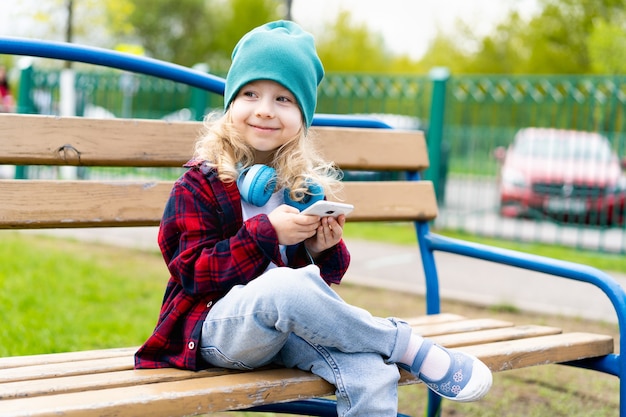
(282, 52)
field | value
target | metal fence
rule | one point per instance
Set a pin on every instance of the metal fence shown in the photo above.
(466, 118)
(114, 93)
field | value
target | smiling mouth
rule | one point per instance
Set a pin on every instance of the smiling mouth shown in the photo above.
(264, 127)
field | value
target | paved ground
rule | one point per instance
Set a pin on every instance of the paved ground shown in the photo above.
(399, 267)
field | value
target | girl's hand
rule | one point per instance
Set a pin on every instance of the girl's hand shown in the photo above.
(329, 233)
(291, 226)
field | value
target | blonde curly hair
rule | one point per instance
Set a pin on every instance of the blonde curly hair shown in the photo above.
(297, 162)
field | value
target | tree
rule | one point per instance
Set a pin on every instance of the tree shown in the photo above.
(557, 40)
(565, 37)
(188, 32)
(235, 19)
(607, 47)
(445, 51)
(351, 47)
(455, 50)
(502, 52)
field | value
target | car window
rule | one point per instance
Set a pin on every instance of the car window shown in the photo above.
(563, 148)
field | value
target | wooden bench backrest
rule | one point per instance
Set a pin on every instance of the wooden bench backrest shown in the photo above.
(46, 140)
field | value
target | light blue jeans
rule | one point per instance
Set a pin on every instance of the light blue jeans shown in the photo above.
(293, 318)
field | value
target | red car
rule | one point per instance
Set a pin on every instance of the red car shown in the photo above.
(564, 174)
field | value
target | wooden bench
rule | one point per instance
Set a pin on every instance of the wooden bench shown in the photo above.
(103, 382)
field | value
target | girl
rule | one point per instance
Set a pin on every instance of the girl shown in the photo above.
(251, 276)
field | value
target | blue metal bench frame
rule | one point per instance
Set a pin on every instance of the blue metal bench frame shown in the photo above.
(428, 242)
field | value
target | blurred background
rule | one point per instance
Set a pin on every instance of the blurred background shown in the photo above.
(523, 102)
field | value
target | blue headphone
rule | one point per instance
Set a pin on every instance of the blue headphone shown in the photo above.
(257, 184)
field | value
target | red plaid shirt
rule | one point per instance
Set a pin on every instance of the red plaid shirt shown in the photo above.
(208, 249)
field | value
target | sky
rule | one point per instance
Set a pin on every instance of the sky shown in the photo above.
(407, 26)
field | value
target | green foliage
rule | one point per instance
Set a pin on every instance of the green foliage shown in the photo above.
(502, 52)
(173, 31)
(188, 32)
(445, 51)
(556, 39)
(6, 61)
(607, 47)
(361, 51)
(234, 19)
(566, 37)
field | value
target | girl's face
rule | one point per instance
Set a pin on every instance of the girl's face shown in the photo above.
(267, 116)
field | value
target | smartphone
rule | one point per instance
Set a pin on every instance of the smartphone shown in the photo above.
(328, 208)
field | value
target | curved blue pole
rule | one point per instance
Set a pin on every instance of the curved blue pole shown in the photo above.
(555, 267)
(342, 120)
(109, 58)
(614, 364)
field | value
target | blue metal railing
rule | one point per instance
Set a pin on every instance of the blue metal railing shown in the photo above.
(149, 66)
(614, 364)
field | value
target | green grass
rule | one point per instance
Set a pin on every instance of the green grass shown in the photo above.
(61, 295)
(58, 295)
(404, 234)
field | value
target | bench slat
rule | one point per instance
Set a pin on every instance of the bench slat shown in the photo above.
(98, 204)
(82, 203)
(494, 335)
(462, 326)
(54, 370)
(355, 148)
(514, 354)
(87, 382)
(188, 397)
(391, 200)
(156, 143)
(51, 358)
